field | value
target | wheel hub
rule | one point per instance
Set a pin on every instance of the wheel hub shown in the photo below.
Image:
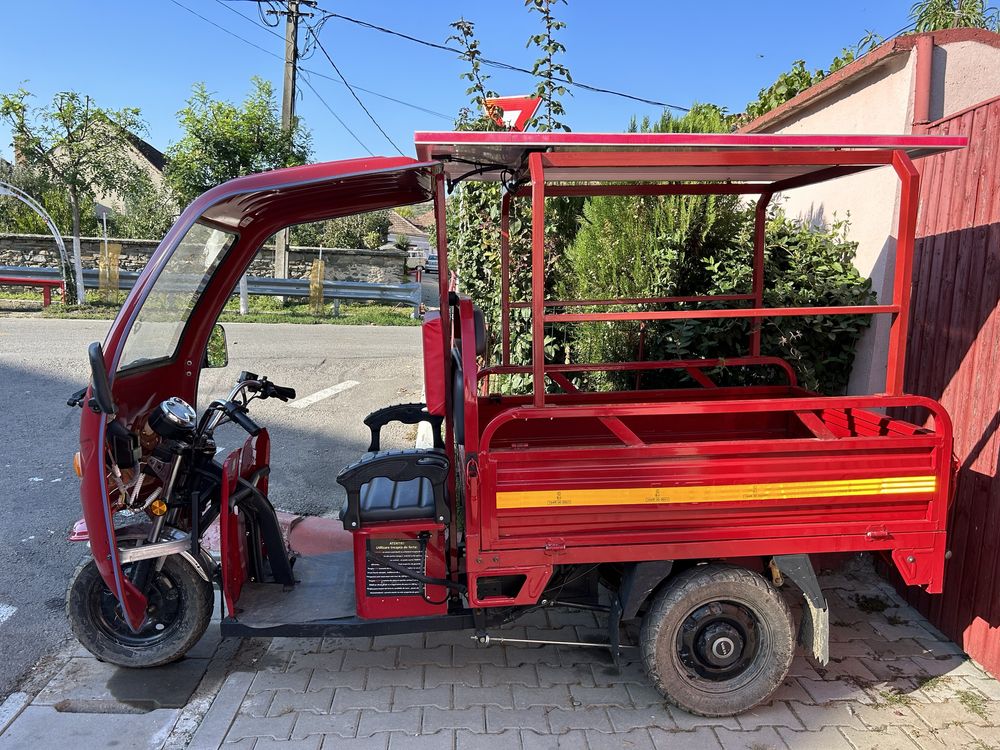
(718, 641)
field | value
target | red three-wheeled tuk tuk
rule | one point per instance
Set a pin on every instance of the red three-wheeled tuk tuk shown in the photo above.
(680, 509)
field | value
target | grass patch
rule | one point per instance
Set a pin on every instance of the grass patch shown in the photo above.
(934, 683)
(973, 702)
(871, 603)
(893, 698)
(261, 310)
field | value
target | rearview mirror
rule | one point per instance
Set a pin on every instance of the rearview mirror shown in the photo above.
(217, 351)
(101, 387)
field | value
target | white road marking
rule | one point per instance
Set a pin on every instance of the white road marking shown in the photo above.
(333, 390)
(6, 612)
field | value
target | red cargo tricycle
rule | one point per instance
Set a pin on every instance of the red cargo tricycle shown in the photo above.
(679, 509)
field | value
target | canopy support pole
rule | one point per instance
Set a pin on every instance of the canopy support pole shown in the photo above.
(909, 196)
(537, 172)
(759, 230)
(505, 278)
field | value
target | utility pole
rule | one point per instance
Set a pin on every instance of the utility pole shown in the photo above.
(292, 15)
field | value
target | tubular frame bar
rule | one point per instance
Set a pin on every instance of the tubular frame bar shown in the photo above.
(650, 364)
(674, 188)
(537, 174)
(755, 313)
(759, 229)
(505, 278)
(635, 301)
(590, 159)
(902, 284)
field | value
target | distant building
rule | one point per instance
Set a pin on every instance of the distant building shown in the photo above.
(149, 159)
(401, 227)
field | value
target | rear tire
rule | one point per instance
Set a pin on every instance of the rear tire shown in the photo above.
(718, 640)
(181, 604)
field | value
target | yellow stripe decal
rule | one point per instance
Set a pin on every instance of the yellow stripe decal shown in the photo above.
(724, 493)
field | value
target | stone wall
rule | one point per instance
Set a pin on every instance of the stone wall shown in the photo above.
(377, 266)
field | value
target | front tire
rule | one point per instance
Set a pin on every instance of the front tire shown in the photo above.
(180, 608)
(718, 640)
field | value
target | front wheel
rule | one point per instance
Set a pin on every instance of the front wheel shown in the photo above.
(180, 608)
(718, 640)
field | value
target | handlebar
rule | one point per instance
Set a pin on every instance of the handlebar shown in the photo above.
(238, 414)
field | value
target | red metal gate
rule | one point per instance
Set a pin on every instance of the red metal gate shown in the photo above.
(954, 356)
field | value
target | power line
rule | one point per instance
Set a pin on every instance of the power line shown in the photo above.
(498, 63)
(317, 73)
(329, 109)
(353, 92)
(266, 27)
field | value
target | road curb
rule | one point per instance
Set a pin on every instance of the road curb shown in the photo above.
(221, 714)
(11, 708)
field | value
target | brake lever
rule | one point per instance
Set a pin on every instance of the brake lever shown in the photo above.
(77, 398)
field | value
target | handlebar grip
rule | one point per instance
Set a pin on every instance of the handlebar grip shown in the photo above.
(283, 392)
(241, 418)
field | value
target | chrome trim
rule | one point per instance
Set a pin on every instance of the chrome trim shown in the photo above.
(160, 549)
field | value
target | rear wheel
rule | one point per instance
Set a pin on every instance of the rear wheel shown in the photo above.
(717, 640)
(180, 608)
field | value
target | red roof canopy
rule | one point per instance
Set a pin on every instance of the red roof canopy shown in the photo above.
(772, 160)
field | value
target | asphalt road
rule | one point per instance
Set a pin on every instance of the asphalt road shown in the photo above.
(43, 361)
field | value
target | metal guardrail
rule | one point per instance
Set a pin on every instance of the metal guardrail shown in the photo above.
(406, 293)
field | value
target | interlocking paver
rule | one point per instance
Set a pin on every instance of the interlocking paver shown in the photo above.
(413, 656)
(405, 697)
(501, 696)
(375, 742)
(346, 698)
(883, 715)
(776, 714)
(385, 658)
(576, 674)
(626, 719)
(275, 727)
(952, 737)
(643, 694)
(411, 677)
(828, 738)
(352, 678)
(613, 695)
(575, 740)
(526, 675)
(309, 743)
(765, 738)
(473, 719)
(286, 701)
(814, 718)
(342, 724)
(686, 721)
(637, 739)
(328, 660)
(470, 674)
(509, 739)
(551, 697)
(498, 719)
(702, 738)
(826, 691)
(280, 681)
(892, 738)
(562, 720)
(407, 720)
(442, 740)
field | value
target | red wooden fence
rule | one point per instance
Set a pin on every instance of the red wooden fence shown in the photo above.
(954, 356)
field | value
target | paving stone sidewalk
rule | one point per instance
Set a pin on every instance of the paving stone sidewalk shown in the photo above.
(894, 682)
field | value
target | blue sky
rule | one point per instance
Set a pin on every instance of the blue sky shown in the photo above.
(147, 53)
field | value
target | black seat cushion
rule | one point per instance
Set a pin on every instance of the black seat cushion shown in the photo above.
(385, 500)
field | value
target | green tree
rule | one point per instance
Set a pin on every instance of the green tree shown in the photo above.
(148, 211)
(369, 230)
(931, 15)
(222, 140)
(78, 147)
(551, 73)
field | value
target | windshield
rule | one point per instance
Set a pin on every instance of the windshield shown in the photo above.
(158, 326)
